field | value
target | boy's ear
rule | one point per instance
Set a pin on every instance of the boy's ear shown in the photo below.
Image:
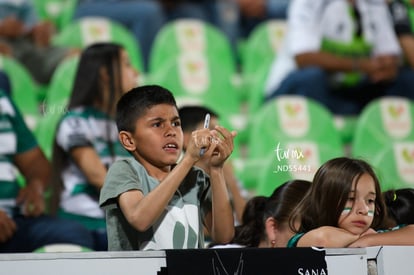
(127, 141)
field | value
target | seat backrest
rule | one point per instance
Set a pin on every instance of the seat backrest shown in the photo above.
(296, 132)
(194, 77)
(263, 45)
(23, 89)
(61, 84)
(61, 247)
(394, 166)
(381, 123)
(87, 30)
(254, 87)
(294, 160)
(291, 118)
(60, 12)
(190, 35)
(45, 131)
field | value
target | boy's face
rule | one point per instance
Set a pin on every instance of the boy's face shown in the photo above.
(158, 136)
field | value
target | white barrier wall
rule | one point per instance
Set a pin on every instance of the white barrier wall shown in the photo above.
(393, 260)
(390, 261)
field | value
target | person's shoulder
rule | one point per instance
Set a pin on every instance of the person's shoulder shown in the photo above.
(6, 105)
(123, 163)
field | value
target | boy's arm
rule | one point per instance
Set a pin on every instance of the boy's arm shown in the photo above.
(221, 227)
(327, 236)
(143, 211)
(221, 224)
(238, 201)
(402, 236)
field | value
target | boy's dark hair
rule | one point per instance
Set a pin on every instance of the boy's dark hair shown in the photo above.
(137, 101)
(190, 116)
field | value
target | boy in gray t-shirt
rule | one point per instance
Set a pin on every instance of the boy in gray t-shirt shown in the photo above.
(152, 202)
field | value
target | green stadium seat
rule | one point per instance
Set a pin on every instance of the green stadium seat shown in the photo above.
(395, 166)
(88, 30)
(61, 84)
(381, 123)
(190, 35)
(45, 131)
(192, 77)
(59, 12)
(61, 247)
(262, 47)
(293, 130)
(24, 89)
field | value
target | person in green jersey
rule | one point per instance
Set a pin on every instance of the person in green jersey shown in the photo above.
(86, 141)
(24, 173)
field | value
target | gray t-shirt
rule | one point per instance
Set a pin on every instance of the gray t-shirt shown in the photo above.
(180, 225)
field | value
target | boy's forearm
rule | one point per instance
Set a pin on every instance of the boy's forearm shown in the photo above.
(222, 228)
(148, 210)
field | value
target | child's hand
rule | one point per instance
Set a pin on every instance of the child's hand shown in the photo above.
(200, 139)
(221, 146)
(364, 239)
(369, 231)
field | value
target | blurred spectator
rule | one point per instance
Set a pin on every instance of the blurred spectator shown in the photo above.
(265, 221)
(24, 226)
(400, 206)
(143, 18)
(338, 53)
(27, 39)
(253, 12)
(403, 27)
(223, 14)
(86, 142)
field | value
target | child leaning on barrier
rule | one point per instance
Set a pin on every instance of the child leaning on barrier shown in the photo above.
(344, 208)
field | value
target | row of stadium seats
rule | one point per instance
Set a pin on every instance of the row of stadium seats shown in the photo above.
(291, 136)
(194, 60)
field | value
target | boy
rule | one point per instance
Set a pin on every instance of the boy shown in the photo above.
(153, 203)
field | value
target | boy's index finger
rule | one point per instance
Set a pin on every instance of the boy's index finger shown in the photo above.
(225, 132)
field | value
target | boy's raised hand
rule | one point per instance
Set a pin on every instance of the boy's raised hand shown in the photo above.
(217, 144)
(222, 146)
(200, 139)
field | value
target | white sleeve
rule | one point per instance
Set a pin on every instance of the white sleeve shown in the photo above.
(74, 131)
(385, 40)
(303, 26)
